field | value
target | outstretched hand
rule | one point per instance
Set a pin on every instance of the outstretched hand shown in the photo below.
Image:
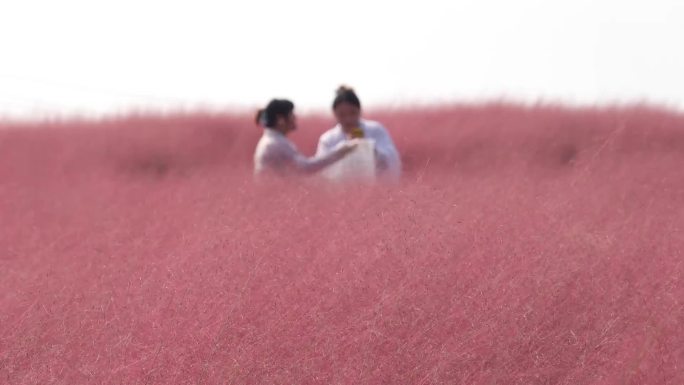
(349, 145)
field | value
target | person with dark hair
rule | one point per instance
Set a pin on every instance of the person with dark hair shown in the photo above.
(277, 154)
(347, 109)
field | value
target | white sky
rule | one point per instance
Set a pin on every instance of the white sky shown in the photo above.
(93, 57)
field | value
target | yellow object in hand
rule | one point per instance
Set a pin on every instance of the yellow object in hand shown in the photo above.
(357, 133)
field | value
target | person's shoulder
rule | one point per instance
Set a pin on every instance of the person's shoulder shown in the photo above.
(330, 135)
(373, 125)
(273, 143)
(264, 141)
(374, 128)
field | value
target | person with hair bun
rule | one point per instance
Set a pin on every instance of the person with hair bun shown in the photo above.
(347, 109)
(276, 154)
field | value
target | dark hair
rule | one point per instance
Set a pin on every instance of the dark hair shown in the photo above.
(268, 117)
(346, 94)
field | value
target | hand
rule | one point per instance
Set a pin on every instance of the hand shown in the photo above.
(348, 146)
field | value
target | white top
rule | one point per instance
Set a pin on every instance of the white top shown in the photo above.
(387, 158)
(275, 153)
(358, 166)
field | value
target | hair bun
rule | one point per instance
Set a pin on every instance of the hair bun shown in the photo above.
(260, 117)
(343, 89)
(346, 94)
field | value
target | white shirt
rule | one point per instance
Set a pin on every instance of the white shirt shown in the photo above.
(387, 156)
(275, 153)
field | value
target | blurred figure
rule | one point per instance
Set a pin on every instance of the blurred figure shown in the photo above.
(347, 110)
(275, 153)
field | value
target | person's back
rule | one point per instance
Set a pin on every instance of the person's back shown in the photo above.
(273, 153)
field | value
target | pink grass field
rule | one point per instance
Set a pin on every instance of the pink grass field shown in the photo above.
(525, 245)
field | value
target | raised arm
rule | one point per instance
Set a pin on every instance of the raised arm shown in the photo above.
(323, 158)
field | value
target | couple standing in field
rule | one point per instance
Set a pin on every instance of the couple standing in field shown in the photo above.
(276, 154)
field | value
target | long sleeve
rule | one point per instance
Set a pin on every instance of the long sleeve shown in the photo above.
(319, 161)
(275, 153)
(386, 153)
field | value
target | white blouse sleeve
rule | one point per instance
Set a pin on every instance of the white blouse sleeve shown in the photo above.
(386, 152)
(319, 161)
